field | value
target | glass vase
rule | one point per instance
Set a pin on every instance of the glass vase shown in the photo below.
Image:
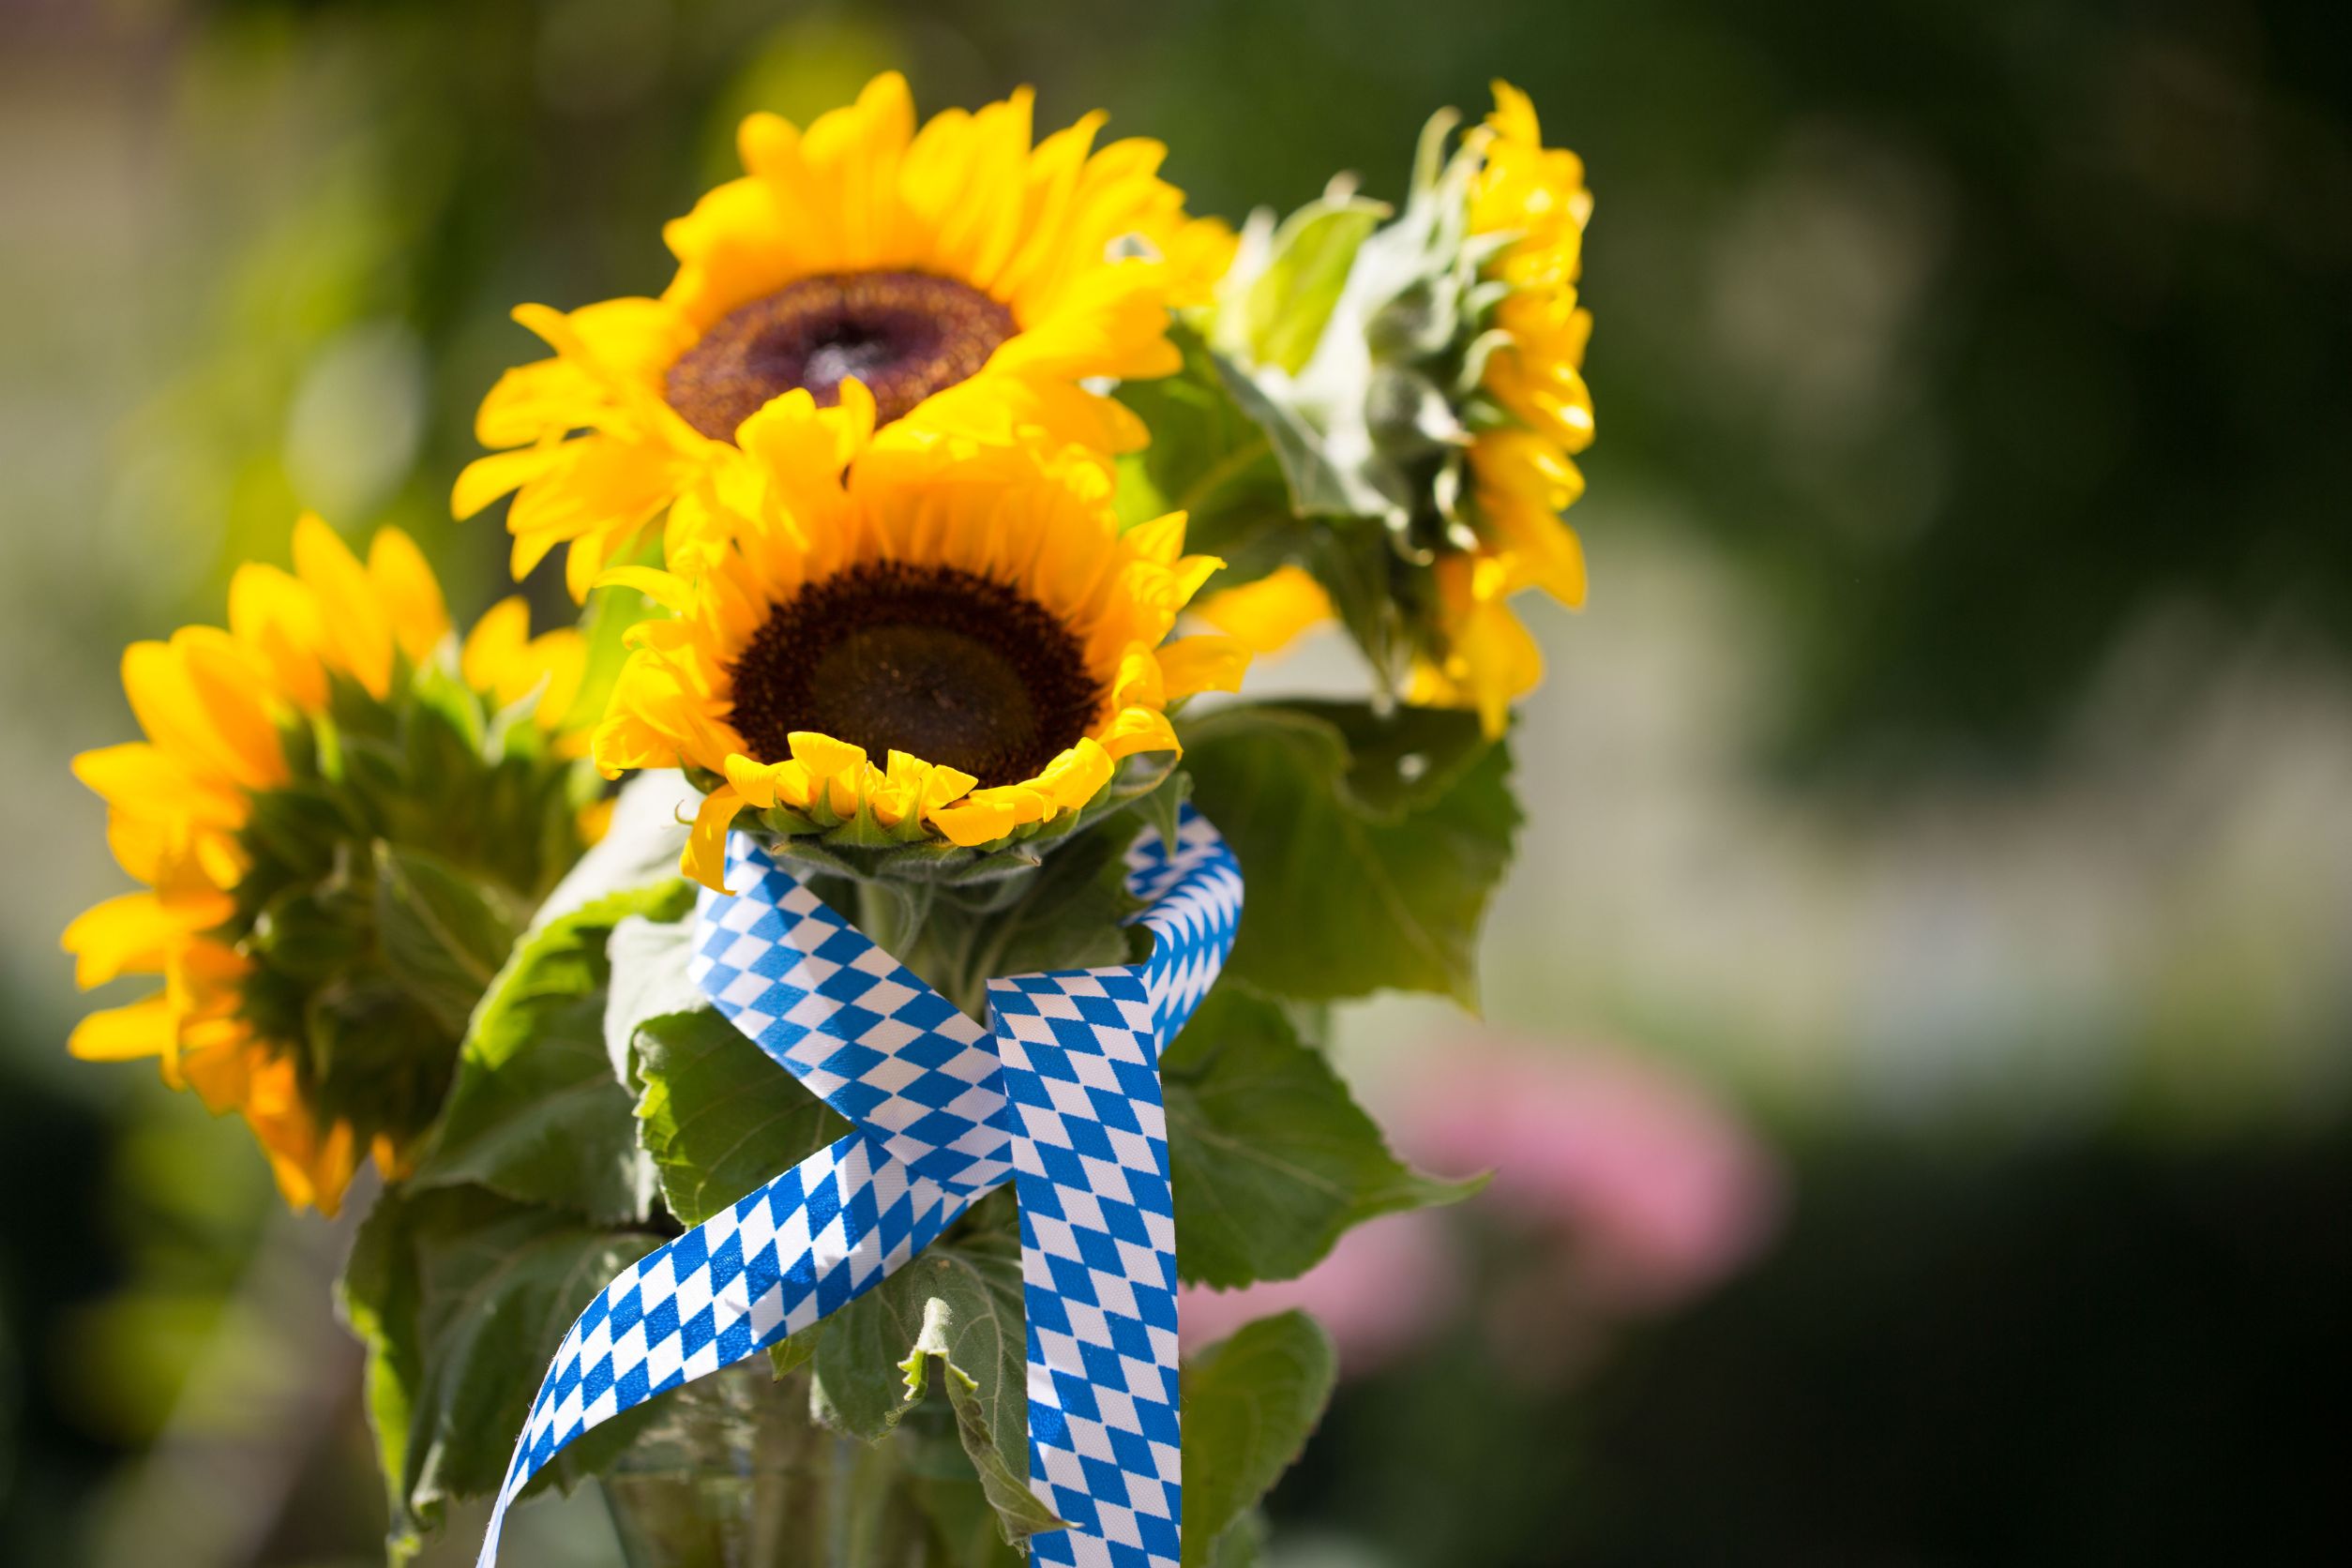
(734, 1473)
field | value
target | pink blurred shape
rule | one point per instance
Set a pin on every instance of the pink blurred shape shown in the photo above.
(1626, 1184)
(1382, 1289)
(1658, 1187)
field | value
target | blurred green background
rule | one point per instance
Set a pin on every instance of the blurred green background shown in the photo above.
(1947, 796)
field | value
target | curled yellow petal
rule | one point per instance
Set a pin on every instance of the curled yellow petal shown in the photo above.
(753, 780)
(1072, 778)
(705, 857)
(1137, 730)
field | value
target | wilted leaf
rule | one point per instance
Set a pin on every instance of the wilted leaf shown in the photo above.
(957, 1306)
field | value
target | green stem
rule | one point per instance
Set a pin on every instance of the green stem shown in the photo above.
(894, 914)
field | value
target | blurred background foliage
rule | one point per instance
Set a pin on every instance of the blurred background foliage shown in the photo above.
(1947, 781)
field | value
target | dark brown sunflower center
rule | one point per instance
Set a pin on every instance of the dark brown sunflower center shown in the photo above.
(944, 664)
(906, 335)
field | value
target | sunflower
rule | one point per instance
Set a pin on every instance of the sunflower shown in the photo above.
(940, 645)
(1443, 401)
(961, 275)
(273, 748)
(1532, 198)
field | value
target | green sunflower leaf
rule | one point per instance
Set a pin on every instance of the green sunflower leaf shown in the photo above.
(717, 1116)
(462, 1298)
(1405, 761)
(1250, 1404)
(652, 978)
(536, 1113)
(1272, 1159)
(1360, 879)
(1213, 460)
(953, 1314)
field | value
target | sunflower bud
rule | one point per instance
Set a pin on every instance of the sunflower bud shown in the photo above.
(1422, 379)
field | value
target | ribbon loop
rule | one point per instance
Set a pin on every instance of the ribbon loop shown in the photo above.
(1060, 1094)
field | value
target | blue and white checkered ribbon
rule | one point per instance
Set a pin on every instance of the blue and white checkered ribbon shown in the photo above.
(1061, 1094)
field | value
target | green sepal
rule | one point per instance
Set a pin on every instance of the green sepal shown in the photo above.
(445, 935)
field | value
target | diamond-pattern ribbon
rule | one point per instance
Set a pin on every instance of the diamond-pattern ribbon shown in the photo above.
(1060, 1094)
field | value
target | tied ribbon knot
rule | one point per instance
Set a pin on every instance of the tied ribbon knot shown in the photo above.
(1059, 1094)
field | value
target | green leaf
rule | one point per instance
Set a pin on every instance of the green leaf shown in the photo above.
(536, 1113)
(957, 1305)
(1002, 1481)
(1241, 1544)
(1289, 304)
(795, 1350)
(463, 1298)
(445, 935)
(651, 979)
(1318, 487)
(1404, 761)
(1213, 460)
(377, 1297)
(1272, 1159)
(1250, 1404)
(639, 849)
(718, 1117)
(1358, 880)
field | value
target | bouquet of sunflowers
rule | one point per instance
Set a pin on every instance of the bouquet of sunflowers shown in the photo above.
(923, 530)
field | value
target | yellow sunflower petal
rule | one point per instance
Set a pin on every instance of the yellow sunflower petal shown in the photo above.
(1196, 664)
(149, 1028)
(973, 822)
(359, 636)
(277, 617)
(1140, 729)
(705, 857)
(409, 594)
(1271, 614)
(823, 755)
(495, 642)
(128, 934)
